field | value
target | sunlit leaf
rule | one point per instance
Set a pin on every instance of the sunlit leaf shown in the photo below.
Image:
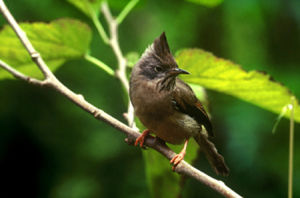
(227, 77)
(86, 6)
(57, 42)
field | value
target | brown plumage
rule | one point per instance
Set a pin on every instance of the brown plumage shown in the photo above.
(168, 107)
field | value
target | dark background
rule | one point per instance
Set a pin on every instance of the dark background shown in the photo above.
(51, 148)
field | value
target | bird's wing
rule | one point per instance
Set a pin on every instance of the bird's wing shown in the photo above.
(185, 101)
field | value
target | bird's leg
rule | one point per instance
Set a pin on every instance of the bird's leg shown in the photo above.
(179, 157)
(141, 139)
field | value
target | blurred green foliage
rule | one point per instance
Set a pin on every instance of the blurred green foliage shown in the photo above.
(208, 3)
(57, 42)
(51, 148)
(86, 6)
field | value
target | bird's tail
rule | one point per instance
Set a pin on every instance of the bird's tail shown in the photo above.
(214, 158)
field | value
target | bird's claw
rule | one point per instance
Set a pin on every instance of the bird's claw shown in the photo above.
(176, 160)
(141, 139)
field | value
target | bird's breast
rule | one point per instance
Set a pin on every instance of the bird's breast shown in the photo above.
(146, 99)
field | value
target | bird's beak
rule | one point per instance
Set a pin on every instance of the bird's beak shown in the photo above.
(177, 71)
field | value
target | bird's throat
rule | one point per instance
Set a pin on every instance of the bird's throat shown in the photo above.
(166, 84)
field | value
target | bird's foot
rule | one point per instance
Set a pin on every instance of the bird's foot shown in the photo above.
(141, 139)
(179, 157)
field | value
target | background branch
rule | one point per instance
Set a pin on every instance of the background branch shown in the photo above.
(122, 63)
(97, 24)
(51, 81)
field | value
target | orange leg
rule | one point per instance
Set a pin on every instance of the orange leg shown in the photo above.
(179, 157)
(141, 139)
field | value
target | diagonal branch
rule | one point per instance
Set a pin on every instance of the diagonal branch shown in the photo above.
(51, 81)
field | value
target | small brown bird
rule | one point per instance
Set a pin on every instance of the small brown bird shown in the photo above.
(168, 107)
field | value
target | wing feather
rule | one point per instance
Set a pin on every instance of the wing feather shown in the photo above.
(185, 101)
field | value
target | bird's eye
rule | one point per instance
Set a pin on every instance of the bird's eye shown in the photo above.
(157, 69)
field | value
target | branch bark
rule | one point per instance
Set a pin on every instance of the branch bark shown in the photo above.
(51, 81)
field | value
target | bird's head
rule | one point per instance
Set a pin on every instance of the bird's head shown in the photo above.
(157, 64)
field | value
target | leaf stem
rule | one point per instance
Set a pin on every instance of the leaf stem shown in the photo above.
(126, 11)
(291, 149)
(100, 64)
(98, 24)
(278, 119)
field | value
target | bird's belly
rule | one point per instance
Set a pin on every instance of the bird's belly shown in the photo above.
(173, 128)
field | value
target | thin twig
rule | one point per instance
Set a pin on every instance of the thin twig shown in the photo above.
(122, 63)
(113, 41)
(291, 149)
(100, 64)
(126, 11)
(183, 168)
(19, 75)
(97, 23)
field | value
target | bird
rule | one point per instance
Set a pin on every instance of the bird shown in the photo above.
(168, 107)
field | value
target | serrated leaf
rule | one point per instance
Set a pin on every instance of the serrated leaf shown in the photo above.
(207, 3)
(86, 6)
(227, 77)
(57, 42)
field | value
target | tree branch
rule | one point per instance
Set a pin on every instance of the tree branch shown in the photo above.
(19, 75)
(122, 63)
(51, 81)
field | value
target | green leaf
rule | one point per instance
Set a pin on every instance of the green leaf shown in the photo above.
(86, 6)
(207, 3)
(132, 58)
(227, 77)
(57, 42)
(200, 93)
